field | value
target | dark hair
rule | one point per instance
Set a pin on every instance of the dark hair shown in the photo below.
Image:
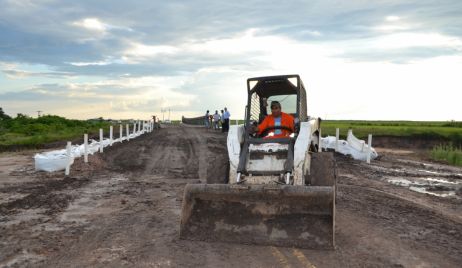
(275, 103)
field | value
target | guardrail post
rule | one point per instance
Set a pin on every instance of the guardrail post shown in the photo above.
(337, 136)
(128, 132)
(134, 128)
(100, 140)
(369, 150)
(85, 148)
(120, 132)
(68, 154)
(111, 131)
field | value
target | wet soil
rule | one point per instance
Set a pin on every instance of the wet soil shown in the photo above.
(123, 209)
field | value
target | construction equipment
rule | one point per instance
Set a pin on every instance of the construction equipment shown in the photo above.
(279, 191)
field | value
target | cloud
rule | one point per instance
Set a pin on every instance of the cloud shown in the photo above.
(143, 54)
(24, 74)
(92, 24)
(392, 18)
(138, 52)
(126, 94)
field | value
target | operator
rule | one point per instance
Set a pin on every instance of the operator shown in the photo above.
(276, 119)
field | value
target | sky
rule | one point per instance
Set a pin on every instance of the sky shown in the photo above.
(369, 60)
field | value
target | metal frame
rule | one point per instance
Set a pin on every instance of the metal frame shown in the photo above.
(298, 89)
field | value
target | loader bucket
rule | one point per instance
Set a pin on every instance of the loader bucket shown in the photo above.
(279, 215)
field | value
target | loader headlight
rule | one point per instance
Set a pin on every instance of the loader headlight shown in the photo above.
(271, 134)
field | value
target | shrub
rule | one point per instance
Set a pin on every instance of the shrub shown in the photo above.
(24, 130)
(447, 153)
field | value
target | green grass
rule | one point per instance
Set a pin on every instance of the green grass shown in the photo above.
(450, 131)
(233, 122)
(34, 132)
(447, 153)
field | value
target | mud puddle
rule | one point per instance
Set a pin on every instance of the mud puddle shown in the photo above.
(429, 185)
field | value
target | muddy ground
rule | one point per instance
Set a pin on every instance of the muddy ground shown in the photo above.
(123, 209)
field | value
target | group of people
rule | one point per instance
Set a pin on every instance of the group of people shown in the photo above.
(215, 120)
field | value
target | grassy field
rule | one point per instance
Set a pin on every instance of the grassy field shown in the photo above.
(24, 131)
(450, 130)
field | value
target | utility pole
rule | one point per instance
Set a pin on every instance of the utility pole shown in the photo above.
(162, 111)
(39, 113)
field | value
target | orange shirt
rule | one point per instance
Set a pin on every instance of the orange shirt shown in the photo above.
(287, 120)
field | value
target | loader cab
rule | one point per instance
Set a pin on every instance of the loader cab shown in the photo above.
(287, 90)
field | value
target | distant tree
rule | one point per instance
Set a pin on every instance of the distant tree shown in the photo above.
(3, 115)
(20, 115)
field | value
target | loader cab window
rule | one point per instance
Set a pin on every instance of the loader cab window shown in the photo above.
(255, 107)
(288, 103)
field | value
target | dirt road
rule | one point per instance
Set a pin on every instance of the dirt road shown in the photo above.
(124, 209)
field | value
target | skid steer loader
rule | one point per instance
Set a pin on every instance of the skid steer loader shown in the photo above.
(279, 191)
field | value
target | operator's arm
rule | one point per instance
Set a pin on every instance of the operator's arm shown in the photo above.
(263, 125)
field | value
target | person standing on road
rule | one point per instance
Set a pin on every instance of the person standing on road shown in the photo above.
(216, 120)
(226, 116)
(222, 121)
(206, 119)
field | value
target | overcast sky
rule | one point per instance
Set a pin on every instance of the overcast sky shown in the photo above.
(374, 60)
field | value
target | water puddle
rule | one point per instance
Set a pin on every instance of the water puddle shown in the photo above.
(439, 193)
(428, 185)
(428, 171)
